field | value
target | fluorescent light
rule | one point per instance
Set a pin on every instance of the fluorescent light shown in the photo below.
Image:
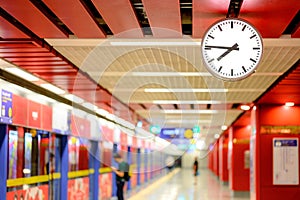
(289, 104)
(216, 136)
(52, 88)
(200, 144)
(189, 111)
(39, 98)
(186, 102)
(193, 121)
(158, 90)
(74, 98)
(158, 43)
(21, 73)
(224, 127)
(65, 106)
(102, 112)
(245, 107)
(90, 106)
(168, 74)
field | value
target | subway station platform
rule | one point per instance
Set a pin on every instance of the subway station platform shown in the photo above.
(180, 184)
(162, 83)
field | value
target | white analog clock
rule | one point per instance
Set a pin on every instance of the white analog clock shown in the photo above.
(231, 49)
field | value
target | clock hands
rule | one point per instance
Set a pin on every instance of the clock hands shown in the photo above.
(235, 46)
(208, 47)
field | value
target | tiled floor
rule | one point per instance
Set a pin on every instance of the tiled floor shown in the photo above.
(182, 186)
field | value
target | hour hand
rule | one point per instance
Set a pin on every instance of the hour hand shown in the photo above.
(228, 51)
(208, 47)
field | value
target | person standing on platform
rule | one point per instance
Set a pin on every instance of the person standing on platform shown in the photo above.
(195, 169)
(121, 173)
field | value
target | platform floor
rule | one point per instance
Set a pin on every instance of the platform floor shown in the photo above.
(181, 185)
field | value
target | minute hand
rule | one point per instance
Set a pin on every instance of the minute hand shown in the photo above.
(219, 47)
(228, 51)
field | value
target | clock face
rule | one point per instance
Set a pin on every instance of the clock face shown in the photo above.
(231, 49)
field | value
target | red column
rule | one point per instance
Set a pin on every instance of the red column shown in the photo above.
(223, 151)
(239, 138)
(272, 122)
(210, 160)
(216, 158)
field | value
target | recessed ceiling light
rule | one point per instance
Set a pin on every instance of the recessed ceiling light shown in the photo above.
(74, 98)
(52, 88)
(289, 104)
(23, 74)
(158, 90)
(245, 107)
(224, 127)
(186, 102)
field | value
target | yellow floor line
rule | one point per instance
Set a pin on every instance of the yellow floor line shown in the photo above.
(154, 185)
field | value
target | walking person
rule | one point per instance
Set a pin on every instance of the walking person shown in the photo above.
(121, 175)
(195, 169)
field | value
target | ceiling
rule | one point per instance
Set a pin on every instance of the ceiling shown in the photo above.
(119, 54)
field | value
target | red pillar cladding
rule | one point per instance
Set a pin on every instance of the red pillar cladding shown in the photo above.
(238, 153)
(223, 164)
(210, 160)
(278, 123)
(216, 158)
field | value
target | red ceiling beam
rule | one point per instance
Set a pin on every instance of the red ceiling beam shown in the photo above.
(7, 30)
(32, 18)
(205, 13)
(296, 34)
(164, 17)
(120, 17)
(270, 17)
(76, 18)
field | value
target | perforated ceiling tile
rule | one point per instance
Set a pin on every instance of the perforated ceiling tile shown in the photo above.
(127, 70)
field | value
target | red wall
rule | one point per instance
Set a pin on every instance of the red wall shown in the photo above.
(273, 116)
(223, 164)
(239, 179)
(216, 159)
(210, 160)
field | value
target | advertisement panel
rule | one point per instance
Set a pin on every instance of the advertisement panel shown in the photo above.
(33, 193)
(285, 161)
(60, 120)
(12, 150)
(78, 189)
(105, 183)
(34, 114)
(46, 118)
(19, 110)
(80, 127)
(27, 152)
(6, 107)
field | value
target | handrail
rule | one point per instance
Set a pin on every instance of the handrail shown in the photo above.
(32, 179)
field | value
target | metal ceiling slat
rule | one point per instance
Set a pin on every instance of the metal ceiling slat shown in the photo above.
(120, 17)
(270, 17)
(26, 54)
(205, 13)
(76, 18)
(34, 59)
(32, 18)
(164, 17)
(7, 30)
(54, 63)
(22, 50)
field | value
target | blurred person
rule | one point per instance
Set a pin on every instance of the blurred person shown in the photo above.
(195, 169)
(121, 175)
